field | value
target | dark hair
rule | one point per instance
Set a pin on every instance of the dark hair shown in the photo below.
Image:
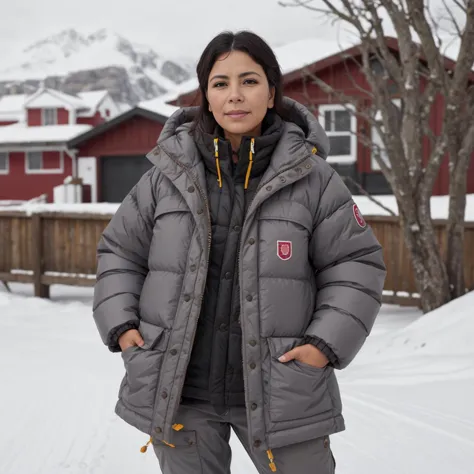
(226, 42)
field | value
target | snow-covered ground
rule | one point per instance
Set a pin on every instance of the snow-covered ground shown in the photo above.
(408, 397)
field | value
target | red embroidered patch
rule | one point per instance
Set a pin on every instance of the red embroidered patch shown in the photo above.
(284, 249)
(358, 216)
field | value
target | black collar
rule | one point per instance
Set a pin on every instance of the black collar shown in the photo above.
(272, 129)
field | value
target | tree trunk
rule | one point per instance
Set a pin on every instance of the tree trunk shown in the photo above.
(429, 268)
(455, 233)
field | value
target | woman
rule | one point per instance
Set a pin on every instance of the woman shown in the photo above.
(237, 276)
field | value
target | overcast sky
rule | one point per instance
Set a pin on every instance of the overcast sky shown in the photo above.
(174, 27)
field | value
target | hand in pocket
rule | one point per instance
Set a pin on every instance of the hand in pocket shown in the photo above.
(307, 354)
(130, 338)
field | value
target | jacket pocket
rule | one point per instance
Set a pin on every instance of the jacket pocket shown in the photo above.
(143, 367)
(297, 390)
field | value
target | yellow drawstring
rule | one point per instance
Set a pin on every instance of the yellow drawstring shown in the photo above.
(249, 169)
(218, 166)
(314, 150)
(176, 427)
(144, 448)
(272, 463)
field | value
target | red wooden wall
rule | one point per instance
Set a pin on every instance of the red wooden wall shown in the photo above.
(18, 185)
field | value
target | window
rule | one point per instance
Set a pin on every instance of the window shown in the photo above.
(49, 162)
(50, 116)
(378, 145)
(34, 161)
(339, 122)
(4, 163)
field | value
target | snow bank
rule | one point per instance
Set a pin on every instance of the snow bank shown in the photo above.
(449, 329)
(85, 208)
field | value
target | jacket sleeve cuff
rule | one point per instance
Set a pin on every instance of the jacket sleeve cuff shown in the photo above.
(116, 332)
(323, 347)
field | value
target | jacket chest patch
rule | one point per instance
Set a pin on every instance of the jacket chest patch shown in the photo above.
(284, 249)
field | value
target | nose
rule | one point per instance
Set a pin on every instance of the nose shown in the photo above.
(235, 94)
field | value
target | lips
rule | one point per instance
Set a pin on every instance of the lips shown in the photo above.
(237, 113)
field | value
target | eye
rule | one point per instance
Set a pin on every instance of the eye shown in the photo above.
(250, 81)
(219, 84)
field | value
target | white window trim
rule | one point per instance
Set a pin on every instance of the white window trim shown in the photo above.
(43, 110)
(341, 159)
(7, 170)
(374, 166)
(45, 171)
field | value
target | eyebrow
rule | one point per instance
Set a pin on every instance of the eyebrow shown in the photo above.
(244, 74)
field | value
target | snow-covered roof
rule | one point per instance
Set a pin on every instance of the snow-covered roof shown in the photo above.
(11, 107)
(298, 54)
(53, 98)
(92, 99)
(158, 106)
(20, 133)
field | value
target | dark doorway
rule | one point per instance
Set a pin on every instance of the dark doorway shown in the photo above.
(119, 174)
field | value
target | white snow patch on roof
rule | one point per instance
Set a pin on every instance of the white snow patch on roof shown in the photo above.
(11, 107)
(22, 134)
(92, 99)
(298, 54)
(53, 98)
(158, 106)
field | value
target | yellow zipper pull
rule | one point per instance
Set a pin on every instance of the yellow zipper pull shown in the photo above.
(249, 169)
(178, 427)
(272, 464)
(218, 166)
(144, 448)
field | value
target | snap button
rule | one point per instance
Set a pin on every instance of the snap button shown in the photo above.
(192, 268)
(200, 211)
(269, 188)
(228, 275)
(237, 228)
(283, 180)
(253, 343)
(251, 241)
(252, 365)
(187, 297)
(173, 352)
(253, 406)
(157, 430)
(164, 395)
(249, 297)
(308, 166)
(191, 189)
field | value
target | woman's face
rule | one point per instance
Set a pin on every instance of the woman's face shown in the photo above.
(239, 94)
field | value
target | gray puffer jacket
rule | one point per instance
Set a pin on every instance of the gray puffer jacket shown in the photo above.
(308, 266)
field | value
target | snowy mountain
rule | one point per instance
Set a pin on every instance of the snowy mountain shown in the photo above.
(73, 62)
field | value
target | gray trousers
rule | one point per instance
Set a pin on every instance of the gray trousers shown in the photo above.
(202, 446)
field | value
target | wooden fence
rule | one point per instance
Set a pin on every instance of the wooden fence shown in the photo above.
(58, 248)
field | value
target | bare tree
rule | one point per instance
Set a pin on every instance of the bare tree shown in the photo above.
(421, 75)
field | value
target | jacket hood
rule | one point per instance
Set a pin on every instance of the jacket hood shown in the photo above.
(301, 131)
